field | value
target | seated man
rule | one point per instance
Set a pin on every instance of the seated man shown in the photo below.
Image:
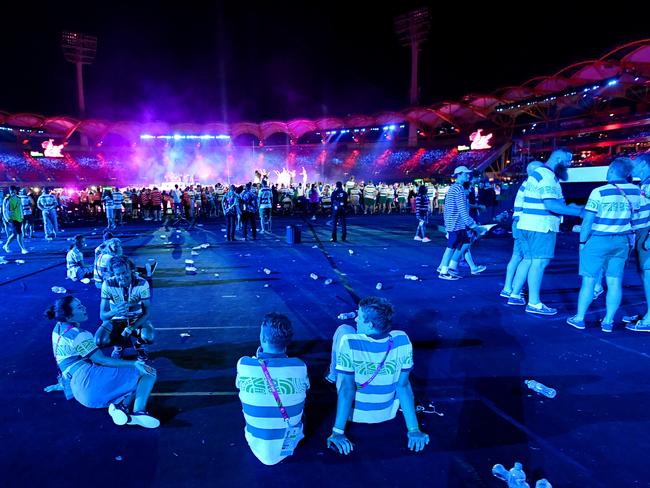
(76, 270)
(124, 310)
(272, 389)
(373, 367)
(103, 253)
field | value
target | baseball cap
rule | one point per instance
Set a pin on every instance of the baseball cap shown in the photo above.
(462, 169)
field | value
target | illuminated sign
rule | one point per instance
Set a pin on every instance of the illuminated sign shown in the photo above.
(51, 149)
(36, 154)
(462, 148)
(480, 141)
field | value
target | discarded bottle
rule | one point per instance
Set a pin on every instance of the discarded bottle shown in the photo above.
(351, 252)
(378, 286)
(58, 289)
(127, 331)
(313, 276)
(410, 277)
(543, 483)
(345, 316)
(540, 388)
(328, 281)
(267, 271)
(516, 478)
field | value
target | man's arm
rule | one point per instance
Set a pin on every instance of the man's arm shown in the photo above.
(346, 393)
(416, 439)
(144, 318)
(585, 229)
(559, 207)
(105, 311)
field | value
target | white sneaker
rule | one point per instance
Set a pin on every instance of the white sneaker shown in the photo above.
(24, 251)
(417, 238)
(119, 416)
(143, 419)
(426, 239)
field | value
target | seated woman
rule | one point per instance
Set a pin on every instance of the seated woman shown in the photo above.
(94, 380)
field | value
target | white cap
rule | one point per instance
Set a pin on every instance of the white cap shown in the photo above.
(462, 169)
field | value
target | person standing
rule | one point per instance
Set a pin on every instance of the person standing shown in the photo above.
(539, 224)
(15, 220)
(27, 203)
(272, 389)
(47, 204)
(118, 200)
(421, 213)
(249, 211)
(606, 238)
(372, 368)
(339, 208)
(518, 264)
(457, 223)
(265, 204)
(232, 210)
(109, 207)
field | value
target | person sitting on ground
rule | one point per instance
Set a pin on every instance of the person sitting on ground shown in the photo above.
(272, 389)
(94, 380)
(99, 250)
(74, 260)
(124, 310)
(372, 375)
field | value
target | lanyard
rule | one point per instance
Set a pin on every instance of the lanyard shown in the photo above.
(274, 391)
(56, 348)
(381, 365)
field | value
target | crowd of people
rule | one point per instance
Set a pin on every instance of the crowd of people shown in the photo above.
(370, 362)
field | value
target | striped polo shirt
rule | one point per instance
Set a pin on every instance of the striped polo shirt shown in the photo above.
(73, 260)
(359, 355)
(641, 219)
(614, 206)
(265, 427)
(47, 201)
(135, 294)
(457, 209)
(541, 185)
(26, 202)
(519, 203)
(71, 347)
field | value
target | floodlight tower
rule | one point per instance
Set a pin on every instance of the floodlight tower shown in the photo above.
(79, 49)
(412, 28)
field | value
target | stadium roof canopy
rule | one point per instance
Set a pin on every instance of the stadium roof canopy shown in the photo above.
(628, 64)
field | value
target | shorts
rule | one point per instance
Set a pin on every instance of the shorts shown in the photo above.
(643, 254)
(18, 227)
(537, 245)
(605, 252)
(382, 200)
(457, 239)
(517, 248)
(28, 218)
(369, 202)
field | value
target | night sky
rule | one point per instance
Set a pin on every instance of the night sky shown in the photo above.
(242, 61)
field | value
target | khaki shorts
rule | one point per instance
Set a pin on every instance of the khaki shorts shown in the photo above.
(642, 253)
(537, 245)
(607, 253)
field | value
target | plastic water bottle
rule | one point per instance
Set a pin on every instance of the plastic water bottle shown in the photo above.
(267, 271)
(328, 281)
(58, 289)
(378, 286)
(543, 483)
(345, 316)
(540, 388)
(313, 276)
(517, 477)
(410, 277)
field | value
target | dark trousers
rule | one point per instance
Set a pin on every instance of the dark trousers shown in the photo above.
(231, 224)
(245, 218)
(336, 215)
